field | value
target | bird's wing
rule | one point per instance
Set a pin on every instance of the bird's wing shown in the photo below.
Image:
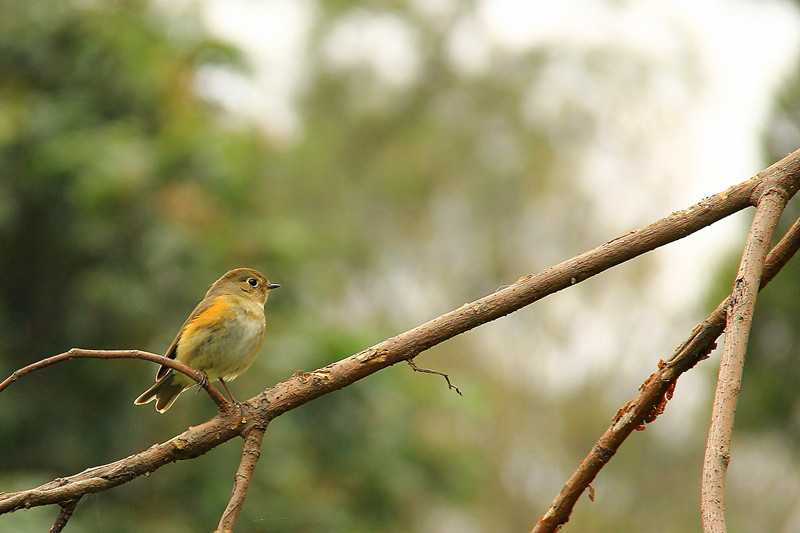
(172, 351)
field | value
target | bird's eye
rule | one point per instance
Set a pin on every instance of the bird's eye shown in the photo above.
(252, 282)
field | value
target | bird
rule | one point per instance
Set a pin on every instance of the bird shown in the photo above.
(221, 337)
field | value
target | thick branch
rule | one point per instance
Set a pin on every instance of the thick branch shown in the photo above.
(739, 319)
(192, 443)
(78, 353)
(250, 454)
(304, 387)
(527, 290)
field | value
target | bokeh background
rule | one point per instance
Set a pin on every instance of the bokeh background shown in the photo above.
(385, 162)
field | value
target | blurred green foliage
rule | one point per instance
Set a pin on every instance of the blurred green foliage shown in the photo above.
(123, 195)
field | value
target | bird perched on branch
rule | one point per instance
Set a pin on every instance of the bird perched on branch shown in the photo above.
(221, 337)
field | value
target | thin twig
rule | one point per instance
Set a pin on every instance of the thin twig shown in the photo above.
(67, 508)
(446, 377)
(655, 391)
(739, 319)
(251, 451)
(79, 353)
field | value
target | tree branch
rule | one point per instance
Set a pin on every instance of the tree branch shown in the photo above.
(739, 319)
(192, 443)
(656, 391)
(251, 451)
(304, 387)
(79, 353)
(67, 508)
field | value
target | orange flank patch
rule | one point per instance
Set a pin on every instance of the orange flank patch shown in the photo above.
(208, 318)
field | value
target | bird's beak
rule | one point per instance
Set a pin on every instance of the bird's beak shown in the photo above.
(273, 286)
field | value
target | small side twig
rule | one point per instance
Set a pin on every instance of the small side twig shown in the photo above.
(739, 319)
(67, 508)
(415, 368)
(79, 353)
(251, 451)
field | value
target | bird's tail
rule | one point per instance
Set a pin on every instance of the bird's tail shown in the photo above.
(165, 392)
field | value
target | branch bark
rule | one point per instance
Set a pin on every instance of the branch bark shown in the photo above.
(251, 451)
(192, 443)
(739, 318)
(304, 387)
(67, 508)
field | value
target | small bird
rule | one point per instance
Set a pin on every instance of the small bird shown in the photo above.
(221, 337)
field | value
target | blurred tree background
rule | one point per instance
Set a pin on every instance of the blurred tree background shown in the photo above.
(133, 173)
